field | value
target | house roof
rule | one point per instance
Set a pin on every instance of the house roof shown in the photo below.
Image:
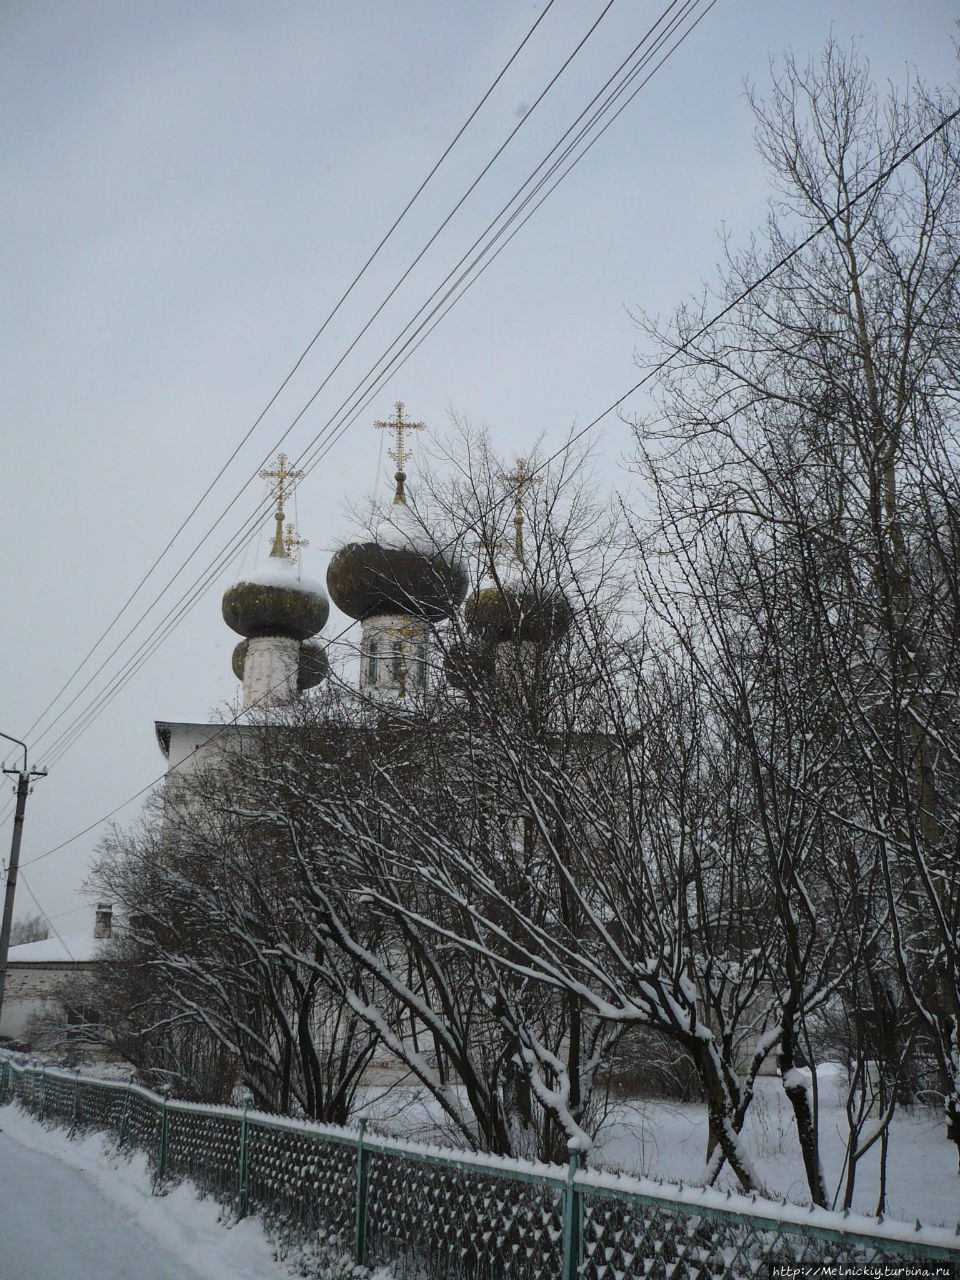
(80, 947)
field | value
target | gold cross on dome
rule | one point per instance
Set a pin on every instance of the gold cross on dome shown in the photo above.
(292, 543)
(521, 478)
(284, 478)
(400, 454)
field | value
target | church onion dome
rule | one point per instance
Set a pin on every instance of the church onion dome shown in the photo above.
(495, 614)
(276, 601)
(400, 571)
(312, 667)
(501, 611)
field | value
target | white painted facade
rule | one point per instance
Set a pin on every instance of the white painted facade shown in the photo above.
(394, 654)
(39, 972)
(190, 746)
(270, 671)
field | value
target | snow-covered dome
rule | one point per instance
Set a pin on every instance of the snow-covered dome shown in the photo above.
(402, 569)
(276, 601)
(368, 579)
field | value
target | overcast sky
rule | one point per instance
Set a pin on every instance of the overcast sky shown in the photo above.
(189, 188)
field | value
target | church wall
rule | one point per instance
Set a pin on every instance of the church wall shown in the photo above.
(394, 654)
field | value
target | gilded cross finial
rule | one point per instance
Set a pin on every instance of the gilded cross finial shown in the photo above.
(284, 479)
(400, 454)
(292, 543)
(521, 478)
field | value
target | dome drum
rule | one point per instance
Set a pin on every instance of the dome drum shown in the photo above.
(312, 665)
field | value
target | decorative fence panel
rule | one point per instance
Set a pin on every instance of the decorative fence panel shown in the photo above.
(485, 1222)
(205, 1147)
(102, 1107)
(302, 1185)
(441, 1215)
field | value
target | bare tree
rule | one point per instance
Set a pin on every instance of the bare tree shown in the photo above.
(807, 491)
(200, 987)
(30, 929)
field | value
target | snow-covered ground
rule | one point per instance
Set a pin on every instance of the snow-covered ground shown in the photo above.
(667, 1141)
(72, 1210)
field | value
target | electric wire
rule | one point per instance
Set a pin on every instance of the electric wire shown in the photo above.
(579, 46)
(611, 408)
(56, 934)
(303, 355)
(390, 363)
(138, 659)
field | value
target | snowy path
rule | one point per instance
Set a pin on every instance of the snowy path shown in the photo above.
(56, 1225)
(71, 1211)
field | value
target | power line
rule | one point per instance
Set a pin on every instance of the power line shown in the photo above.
(478, 266)
(58, 936)
(297, 364)
(662, 364)
(352, 412)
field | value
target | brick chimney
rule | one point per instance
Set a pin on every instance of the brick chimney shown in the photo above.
(104, 922)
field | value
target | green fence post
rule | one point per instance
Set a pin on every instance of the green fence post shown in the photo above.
(363, 1178)
(125, 1113)
(76, 1104)
(162, 1159)
(571, 1221)
(244, 1160)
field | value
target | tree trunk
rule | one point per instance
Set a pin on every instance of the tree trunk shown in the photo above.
(721, 1115)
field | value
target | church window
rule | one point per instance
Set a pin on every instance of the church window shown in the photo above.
(421, 665)
(372, 660)
(397, 659)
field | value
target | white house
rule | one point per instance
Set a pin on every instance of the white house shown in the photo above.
(39, 972)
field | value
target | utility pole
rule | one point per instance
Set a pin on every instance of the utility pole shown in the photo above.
(23, 787)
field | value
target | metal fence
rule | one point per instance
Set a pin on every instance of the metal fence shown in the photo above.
(432, 1213)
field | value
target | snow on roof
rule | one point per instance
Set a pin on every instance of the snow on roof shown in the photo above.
(68, 947)
(281, 572)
